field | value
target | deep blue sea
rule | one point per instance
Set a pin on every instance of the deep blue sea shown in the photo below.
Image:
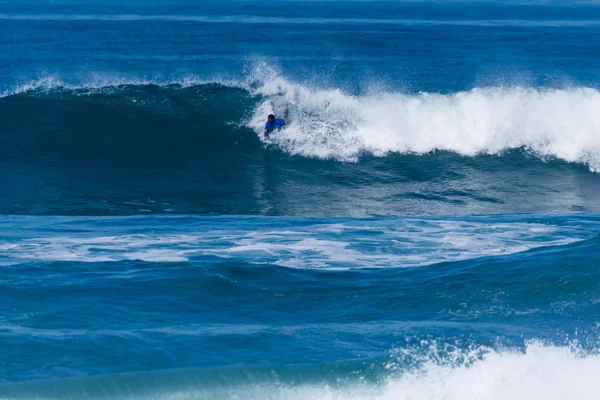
(425, 228)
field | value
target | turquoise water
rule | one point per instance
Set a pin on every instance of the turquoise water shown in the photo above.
(425, 228)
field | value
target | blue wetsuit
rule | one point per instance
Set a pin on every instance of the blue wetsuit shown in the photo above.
(278, 124)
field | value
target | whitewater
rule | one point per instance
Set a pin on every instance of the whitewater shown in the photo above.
(560, 123)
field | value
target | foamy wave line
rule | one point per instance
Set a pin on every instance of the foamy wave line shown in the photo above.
(549, 123)
(408, 243)
(101, 82)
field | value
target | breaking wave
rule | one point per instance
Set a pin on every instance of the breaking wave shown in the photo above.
(328, 123)
(538, 372)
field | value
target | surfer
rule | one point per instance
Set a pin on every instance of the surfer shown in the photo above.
(273, 124)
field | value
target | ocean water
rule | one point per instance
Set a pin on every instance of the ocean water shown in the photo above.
(425, 228)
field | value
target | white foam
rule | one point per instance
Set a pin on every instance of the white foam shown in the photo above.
(403, 243)
(157, 248)
(540, 373)
(559, 123)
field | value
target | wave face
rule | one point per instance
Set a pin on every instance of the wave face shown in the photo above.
(396, 146)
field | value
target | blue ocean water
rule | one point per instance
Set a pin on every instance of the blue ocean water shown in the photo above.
(426, 226)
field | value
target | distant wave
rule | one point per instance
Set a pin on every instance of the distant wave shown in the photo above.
(256, 19)
(324, 123)
(106, 84)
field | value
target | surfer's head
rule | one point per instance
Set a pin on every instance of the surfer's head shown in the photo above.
(271, 118)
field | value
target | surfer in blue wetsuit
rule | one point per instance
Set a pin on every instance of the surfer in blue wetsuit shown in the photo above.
(273, 125)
